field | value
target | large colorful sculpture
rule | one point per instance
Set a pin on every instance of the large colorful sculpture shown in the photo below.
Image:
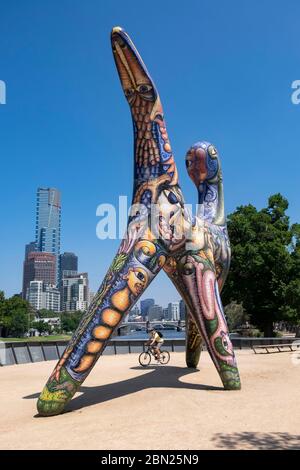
(193, 251)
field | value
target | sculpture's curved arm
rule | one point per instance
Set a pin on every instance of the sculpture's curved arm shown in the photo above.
(153, 155)
(204, 168)
(199, 271)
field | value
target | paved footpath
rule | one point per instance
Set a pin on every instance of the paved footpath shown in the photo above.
(122, 406)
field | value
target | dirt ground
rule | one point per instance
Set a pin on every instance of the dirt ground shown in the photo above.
(122, 406)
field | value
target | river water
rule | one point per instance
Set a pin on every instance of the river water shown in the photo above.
(167, 334)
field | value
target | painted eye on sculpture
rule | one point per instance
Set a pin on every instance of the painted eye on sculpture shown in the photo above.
(144, 88)
(118, 40)
(140, 276)
(129, 92)
(225, 341)
(172, 198)
(188, 163)
(212, 151)
(188, 268)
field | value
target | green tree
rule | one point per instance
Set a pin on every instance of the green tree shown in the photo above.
(18, 325)
(235, 315)
(263, 274)
(14, 315)
(44, 313)
(70, 320)
(2, 311)
(41, 326)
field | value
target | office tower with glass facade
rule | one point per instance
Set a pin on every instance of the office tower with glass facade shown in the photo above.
(68, 264)
(29, 248)
(145, 305)
(39, 266)
(48, 220)
(75, 292)
(182, 309)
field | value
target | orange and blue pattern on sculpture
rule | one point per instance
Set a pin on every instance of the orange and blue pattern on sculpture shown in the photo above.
(125, 286)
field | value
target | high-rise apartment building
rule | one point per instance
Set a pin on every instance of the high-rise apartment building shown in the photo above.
(165, 313)
(75, 292)
(39, 266)
(155, 312)
(173, 311)
(47, 229)
(43, 296)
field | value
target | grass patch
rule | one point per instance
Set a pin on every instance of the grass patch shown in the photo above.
(43, 339)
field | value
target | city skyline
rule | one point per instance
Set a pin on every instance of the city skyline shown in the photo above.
(47, 273)
(48, 237)
(51, 279)
(58, 126)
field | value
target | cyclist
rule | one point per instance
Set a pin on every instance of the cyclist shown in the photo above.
(155, 341)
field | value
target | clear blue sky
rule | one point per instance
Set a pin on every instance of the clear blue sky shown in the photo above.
(224, 72)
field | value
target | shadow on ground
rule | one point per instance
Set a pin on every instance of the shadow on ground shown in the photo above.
(257, 440)
(156, 377)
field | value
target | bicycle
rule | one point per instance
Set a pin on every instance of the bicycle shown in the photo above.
(145, 357)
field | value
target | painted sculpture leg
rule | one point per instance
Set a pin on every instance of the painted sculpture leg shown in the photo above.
(193, 338)
(201, 294)
(129, 275)
(193, 342)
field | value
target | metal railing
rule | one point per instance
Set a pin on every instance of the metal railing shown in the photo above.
(36, 351)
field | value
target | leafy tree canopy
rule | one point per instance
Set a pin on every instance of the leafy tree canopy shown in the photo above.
(264, 273)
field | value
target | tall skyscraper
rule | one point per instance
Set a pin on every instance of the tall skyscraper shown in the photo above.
(29, 248)
(182, 309)
(145, 305)
(68, 263)
(75, 292)
(48, 215)
(173, 311)
(39, 266)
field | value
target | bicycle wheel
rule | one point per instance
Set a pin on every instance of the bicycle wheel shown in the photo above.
(164, 357)
(145, 359)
